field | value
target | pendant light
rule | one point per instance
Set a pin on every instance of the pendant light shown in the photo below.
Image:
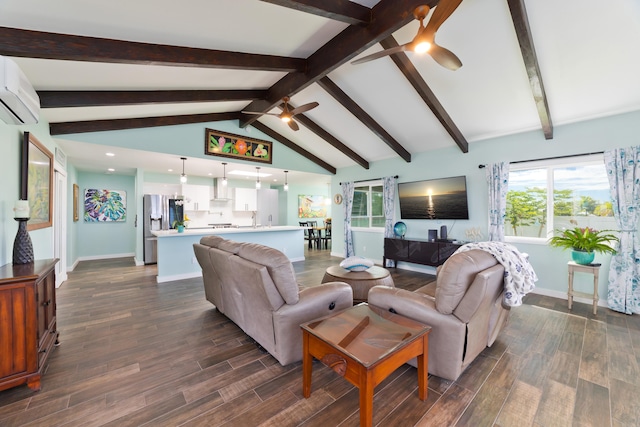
(286, 185)
(258, 184)
(183, 177)
(224, 174)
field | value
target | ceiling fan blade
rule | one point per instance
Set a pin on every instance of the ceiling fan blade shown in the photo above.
(445, 57)
(380, 54)
(293, 125)
(443, 10)
(303, 108)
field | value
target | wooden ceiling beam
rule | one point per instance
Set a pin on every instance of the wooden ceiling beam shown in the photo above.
(386, 17)
(92, 98)
(66, 128)
(525, 39)
(338, 10)
(339, 95)
(407, 68)
(293, 146)
(322, 133)
(39, 44)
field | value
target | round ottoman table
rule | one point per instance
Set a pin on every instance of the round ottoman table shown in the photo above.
(360, 281)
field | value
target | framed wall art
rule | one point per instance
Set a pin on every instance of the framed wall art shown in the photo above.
(105, 205)
(311, 206)
(76, 190)
(237, 147)
(36, 181)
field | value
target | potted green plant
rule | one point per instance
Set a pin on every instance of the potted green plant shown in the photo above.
(584, 242)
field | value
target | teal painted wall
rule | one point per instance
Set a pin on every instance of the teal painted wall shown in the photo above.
(550, 264)
(594, 135)
(108, 238)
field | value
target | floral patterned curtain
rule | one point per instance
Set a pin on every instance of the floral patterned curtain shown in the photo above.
(347, 194)
(623, 170)
(498, 180)
(389, 206)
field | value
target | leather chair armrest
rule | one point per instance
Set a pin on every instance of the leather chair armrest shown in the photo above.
(314, 302)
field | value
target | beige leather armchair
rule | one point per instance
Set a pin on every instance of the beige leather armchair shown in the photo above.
(255, 286)
(463, 307)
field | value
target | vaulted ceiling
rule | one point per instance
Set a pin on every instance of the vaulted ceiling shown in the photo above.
(527, 65)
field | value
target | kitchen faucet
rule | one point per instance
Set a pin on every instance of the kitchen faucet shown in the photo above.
(254, 219)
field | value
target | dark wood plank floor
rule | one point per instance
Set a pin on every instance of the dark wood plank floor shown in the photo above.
(137, 353)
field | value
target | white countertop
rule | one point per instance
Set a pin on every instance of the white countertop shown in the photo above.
(208, 231)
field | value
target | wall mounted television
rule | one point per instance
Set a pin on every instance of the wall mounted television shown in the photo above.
(443, 198)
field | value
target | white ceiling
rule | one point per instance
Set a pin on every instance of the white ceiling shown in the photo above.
(588, 53)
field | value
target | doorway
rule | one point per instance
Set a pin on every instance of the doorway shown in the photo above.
(60, 226)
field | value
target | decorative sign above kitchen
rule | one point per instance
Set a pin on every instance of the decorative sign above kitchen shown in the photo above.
(237, 146)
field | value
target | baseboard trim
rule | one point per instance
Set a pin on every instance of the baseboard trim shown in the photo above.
(175, 277)
(563, 295)
(109, 256)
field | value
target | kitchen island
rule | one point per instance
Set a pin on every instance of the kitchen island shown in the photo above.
(177, 261)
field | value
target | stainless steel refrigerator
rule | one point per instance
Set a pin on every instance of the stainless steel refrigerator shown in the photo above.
(158, 212)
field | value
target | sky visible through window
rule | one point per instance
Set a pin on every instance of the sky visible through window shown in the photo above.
(587, 180)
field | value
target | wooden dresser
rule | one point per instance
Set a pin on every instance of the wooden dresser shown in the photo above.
(28, 330)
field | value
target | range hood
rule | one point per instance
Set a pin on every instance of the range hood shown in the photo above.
(220, 192)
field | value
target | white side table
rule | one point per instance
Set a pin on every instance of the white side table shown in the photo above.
(592, 269)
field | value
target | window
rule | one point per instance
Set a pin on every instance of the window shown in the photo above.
(558, 194)
(367, 210)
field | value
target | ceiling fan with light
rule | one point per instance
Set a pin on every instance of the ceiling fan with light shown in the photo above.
(287, 114)
(424, 41)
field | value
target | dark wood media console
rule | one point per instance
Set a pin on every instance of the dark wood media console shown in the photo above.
(418, 251)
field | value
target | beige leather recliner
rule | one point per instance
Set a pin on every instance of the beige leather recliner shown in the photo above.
(463, 307)
(255, 286)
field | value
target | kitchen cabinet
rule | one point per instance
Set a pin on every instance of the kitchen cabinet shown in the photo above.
(268, 206)
(196, 197)
(245, 199)
(28, 330)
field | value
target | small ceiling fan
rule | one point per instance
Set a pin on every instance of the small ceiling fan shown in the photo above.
(424, 41)
(287, 114)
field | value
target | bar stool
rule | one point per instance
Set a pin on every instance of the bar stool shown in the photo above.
(592, 269)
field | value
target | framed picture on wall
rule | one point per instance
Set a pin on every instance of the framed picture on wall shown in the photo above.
(105, 205)
(76, 190)
(37, 182)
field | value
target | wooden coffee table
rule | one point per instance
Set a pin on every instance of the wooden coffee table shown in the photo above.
(365, 344)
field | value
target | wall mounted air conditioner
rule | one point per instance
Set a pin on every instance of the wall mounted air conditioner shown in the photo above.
(19, 102)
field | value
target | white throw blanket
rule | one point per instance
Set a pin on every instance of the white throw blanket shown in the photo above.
(519, 276)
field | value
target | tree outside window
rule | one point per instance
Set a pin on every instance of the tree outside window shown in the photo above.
(367, 210)
(554, 197)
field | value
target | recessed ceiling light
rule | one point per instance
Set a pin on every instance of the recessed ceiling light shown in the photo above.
(110, 154)
(169, 170)
(210, 174)
(111, 170)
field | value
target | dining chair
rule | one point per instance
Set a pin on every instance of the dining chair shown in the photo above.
(327, 232)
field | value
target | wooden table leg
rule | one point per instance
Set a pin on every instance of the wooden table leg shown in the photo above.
(307, 365)
(423, 370)
(366, 398)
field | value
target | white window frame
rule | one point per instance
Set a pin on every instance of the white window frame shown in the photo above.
(550, 165)
(370, 228)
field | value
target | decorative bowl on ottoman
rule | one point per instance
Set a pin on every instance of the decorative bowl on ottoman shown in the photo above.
(356, 263)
